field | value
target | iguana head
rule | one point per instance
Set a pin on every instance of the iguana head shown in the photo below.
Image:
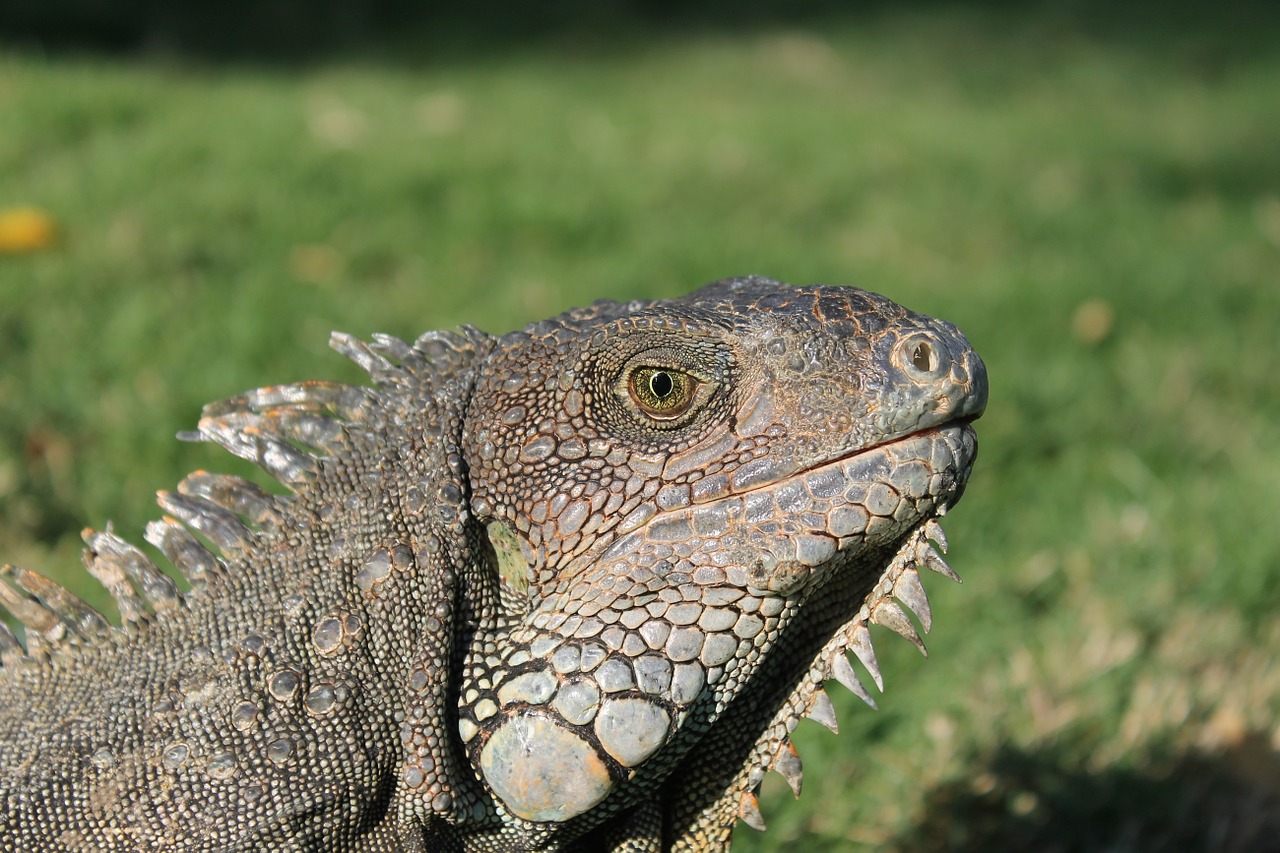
(704, 494)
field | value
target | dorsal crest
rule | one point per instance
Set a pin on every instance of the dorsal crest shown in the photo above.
(289, 431)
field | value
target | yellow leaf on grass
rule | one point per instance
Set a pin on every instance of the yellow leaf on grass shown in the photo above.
(26, 229)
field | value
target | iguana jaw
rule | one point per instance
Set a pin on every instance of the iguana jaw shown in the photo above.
(780, 697)
(586, 699)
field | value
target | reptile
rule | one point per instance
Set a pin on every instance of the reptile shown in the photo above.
(571, 588)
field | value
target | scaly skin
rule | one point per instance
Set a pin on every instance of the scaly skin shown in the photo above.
(570, 588)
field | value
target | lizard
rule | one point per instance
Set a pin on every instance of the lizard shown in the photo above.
(570, 588)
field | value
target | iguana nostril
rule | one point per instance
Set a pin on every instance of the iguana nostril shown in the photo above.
(922, 357)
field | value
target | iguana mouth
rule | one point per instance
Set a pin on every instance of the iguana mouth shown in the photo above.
(870, 496)
(953, 432)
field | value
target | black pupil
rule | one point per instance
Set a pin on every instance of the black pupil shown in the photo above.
(661, 385)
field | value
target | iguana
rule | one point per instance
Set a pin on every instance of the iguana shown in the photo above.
(566, 589)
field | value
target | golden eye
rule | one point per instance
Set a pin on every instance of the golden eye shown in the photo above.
(661, 392)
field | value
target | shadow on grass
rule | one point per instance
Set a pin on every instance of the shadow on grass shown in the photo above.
(415, 32)
(1226, 802)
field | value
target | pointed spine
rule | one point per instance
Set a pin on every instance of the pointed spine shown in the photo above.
(323, 434)
(350, 403)
(890, 615)
(447, 351)
(908, 589)
(111, 574)
(749, 812)
(11, 652)
(235, 494)
(391, 347)
(787, 763)
(196, 562)
(933, 530)
(430, 360)
(157, 588)
(221, 526)
(860, 644)
(81, 619)
(933, 562)
(244, 435)
(822, 711)
(844, 673)
(42, 624)
(380, 369)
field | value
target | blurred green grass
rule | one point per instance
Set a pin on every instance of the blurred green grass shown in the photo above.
(1099, 209)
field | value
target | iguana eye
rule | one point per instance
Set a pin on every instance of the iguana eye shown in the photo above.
(661, 392)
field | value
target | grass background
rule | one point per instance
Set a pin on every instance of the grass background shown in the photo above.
(1094, 197)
